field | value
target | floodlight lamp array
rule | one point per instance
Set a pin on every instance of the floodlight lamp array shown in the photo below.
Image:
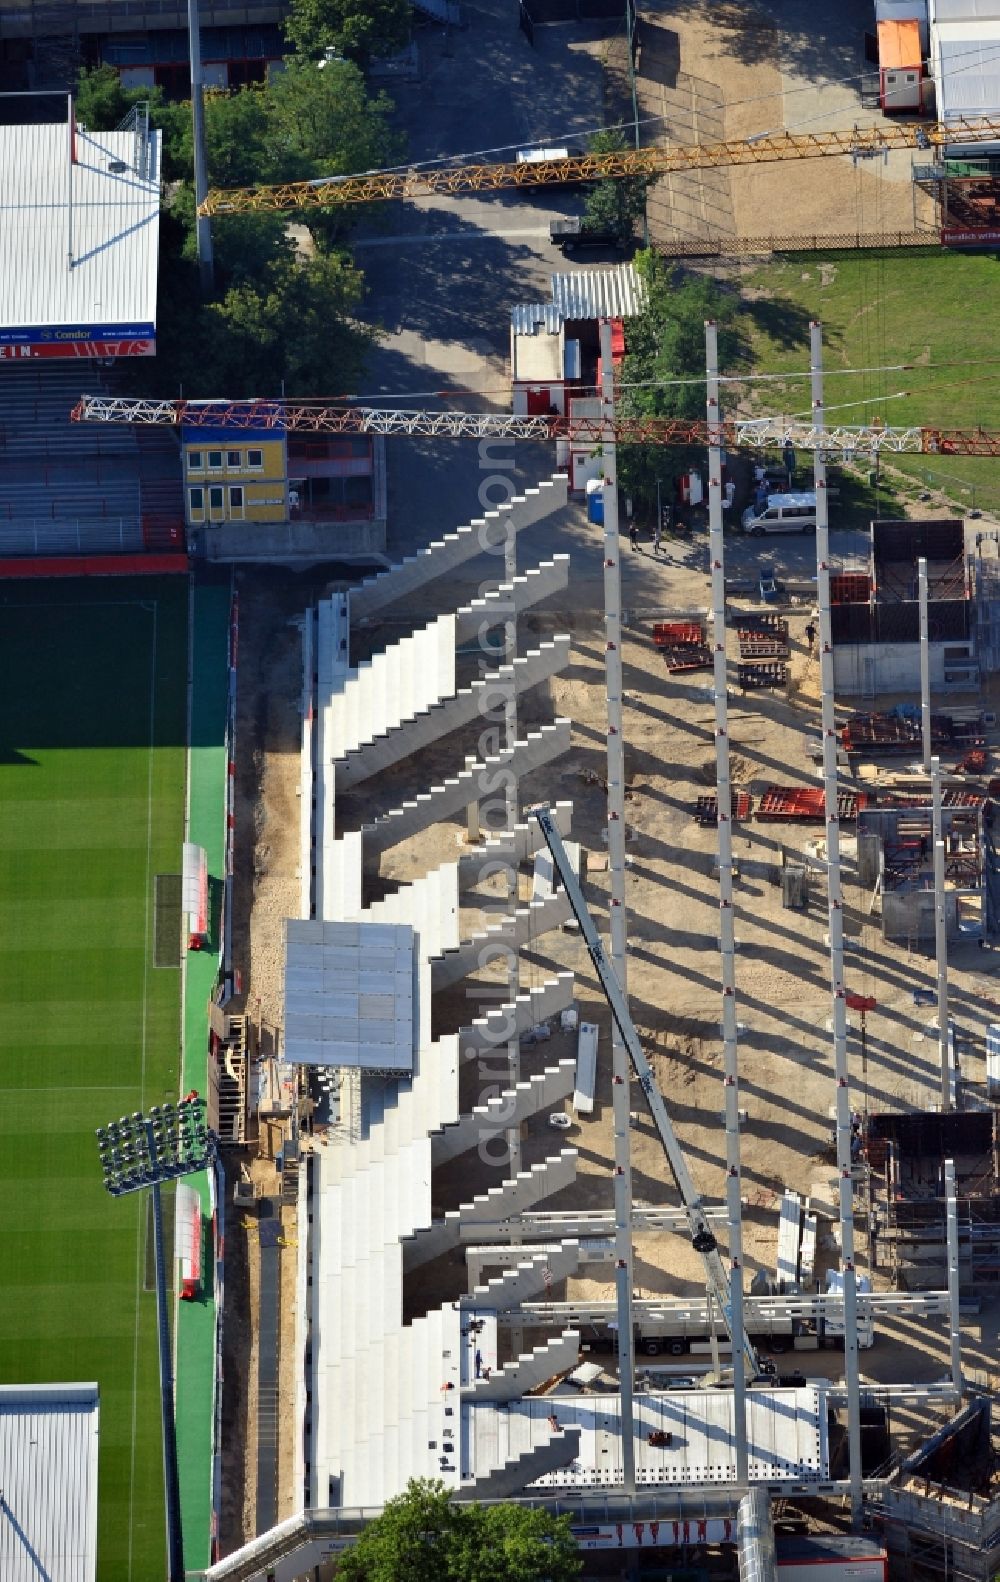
(140, 1150)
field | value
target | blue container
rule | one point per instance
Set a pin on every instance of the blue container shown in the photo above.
(595, 507)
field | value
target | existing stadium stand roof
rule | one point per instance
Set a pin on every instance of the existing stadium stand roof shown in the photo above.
(48, 1482)
(79, 239)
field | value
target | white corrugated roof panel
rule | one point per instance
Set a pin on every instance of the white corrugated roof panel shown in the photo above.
(53, 210)
(967, 69)
(966, 10)
(349, 995)
(608, 293)
(534, 318)
(48, 1482)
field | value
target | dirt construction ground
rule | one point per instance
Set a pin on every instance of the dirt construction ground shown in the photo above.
(705, 71)
(786, 1081)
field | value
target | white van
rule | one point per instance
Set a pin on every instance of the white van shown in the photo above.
(540, 156)
(784, 513)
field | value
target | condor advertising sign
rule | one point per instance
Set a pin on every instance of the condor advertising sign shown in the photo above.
(80, 340)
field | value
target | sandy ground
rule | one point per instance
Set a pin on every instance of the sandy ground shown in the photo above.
(708, 72)
(787, 1083)
(786, 1079)
(266, 891)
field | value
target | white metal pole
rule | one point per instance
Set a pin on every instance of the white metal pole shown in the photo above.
(616, 869)
(951, 1211)
(473, 829)
(727, 939)
(203, 225)
(835, 896)
(925, 666)
(713, 1331)
(941, 935)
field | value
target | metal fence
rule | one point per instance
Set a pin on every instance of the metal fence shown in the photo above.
(828, 242)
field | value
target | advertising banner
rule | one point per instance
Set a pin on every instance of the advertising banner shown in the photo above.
(656, 1534)
(956, 236)
(18, 351)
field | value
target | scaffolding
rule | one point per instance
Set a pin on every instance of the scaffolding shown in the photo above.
(940, 1512)
(907, 1229)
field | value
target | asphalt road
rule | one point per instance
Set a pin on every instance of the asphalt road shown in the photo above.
(443, 275)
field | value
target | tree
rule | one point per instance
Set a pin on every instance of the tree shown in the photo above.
(666, 343)
(425, 1537)
(101, 101)
(285, 314)
(323, 122)
(619, 203)
(288, 326)
(101, 104)
(359, 29)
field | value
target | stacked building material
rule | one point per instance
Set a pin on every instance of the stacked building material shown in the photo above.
(683, 645)
(804, 804)
(706, 808)
(900, 733)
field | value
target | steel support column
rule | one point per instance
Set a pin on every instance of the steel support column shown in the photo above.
(618, 929)
(954, 1321)
(727, 941)
(925, 666)
(941, 937)
(835, 896)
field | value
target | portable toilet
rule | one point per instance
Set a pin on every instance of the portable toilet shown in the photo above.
(595, 501)
(900, 69)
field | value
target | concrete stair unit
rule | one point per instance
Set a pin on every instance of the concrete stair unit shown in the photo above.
(376, 697)
(517, 929)
(508, 849)
(561, 1449)
(528, 1277)
(441, 802)
(498, 1203)
(511, 599)
(331, 658)
(528, 1370)
(444, 554)
(516, 1017)
(539, 1092)
(381, 750)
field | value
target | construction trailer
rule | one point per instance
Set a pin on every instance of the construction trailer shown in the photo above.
(876, 613)
(907, 1230)
(555, 345)
(900, 66)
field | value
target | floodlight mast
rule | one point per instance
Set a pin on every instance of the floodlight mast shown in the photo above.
(702, 1239)
(143, 1151)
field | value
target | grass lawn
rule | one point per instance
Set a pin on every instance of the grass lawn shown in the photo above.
(92, 765)
(880, 308)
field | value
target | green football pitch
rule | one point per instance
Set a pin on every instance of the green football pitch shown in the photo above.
(92, 767)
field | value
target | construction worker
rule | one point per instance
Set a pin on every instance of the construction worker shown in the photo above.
(810, 635)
